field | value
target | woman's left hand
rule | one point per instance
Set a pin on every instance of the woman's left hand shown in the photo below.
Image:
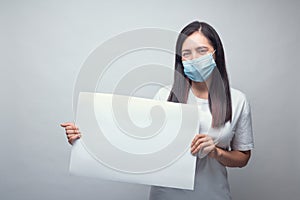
(203, 143)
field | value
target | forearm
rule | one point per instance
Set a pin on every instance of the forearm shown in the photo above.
(231, 158)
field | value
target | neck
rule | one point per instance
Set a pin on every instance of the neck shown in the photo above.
(200, 89)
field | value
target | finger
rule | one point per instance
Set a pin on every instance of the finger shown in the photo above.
(72, 131)
(197, 137)
(73, 135)
(206, 138)
(198, 148)
(73, 138)
(197, 142)
(200, 140)
(66, 124)
(71, 127)
(71, 141)
(195, 149)
(205, 142)
(69, 136)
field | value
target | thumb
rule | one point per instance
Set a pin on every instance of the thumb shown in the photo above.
(63, 124)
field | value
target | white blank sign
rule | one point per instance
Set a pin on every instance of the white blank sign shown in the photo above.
(135, 140)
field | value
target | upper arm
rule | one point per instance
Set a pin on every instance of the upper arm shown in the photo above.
(243, 134)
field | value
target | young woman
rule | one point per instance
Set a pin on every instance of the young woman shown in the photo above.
(200, 73)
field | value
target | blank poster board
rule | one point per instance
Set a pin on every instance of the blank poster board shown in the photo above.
(135, 140)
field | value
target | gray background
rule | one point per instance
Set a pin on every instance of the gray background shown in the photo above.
(44, 43)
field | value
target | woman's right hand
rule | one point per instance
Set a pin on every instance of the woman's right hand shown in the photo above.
(72, 131)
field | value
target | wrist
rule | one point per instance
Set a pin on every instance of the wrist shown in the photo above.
(216, 153)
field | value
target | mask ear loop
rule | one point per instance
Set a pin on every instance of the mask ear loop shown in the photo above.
(211, 53)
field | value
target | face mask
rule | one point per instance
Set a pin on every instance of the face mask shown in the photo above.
(199, 69)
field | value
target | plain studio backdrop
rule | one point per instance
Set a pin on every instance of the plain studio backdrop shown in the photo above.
(45, 43)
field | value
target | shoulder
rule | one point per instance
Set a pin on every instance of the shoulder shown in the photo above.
(237, 94)
(239, 100)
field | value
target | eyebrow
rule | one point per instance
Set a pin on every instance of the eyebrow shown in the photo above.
(197, 48)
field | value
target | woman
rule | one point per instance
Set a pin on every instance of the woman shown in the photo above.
(200, 73)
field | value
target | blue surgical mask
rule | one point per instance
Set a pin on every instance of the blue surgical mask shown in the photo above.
(199, 69)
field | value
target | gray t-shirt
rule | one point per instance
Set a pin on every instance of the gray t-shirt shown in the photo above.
(211, 181)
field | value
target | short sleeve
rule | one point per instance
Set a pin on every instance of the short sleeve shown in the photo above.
(243, 133)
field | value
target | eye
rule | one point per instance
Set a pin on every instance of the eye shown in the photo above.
(186, 54)
(202, 51)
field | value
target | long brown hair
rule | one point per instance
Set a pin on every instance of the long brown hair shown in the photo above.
(219, 96)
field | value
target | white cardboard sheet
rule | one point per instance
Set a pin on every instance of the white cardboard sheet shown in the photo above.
(135, 140)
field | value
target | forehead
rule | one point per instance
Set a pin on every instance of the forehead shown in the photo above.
(195, 40)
